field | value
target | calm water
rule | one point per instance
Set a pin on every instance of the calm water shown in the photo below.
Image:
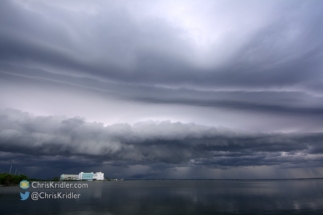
(176, 197)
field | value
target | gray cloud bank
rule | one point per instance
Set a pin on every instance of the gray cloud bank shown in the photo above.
(150, 143)
(253, 65)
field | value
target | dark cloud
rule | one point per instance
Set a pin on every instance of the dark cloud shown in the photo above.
(154, 142)
(252, 66)
(275, 55)
(276, 68)
(283, 102)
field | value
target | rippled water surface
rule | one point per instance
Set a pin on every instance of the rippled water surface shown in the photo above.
(176, 197)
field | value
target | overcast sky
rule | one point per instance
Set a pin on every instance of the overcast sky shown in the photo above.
(162, 89)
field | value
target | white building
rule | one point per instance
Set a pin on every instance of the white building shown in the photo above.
(99, 176)
(84, 176)
(88, 176)
(69, 177)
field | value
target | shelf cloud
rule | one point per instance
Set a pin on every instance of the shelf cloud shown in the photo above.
(155, 143)
(153, 86)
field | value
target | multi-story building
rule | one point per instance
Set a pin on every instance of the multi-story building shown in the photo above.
(98, 176)
(65, 177)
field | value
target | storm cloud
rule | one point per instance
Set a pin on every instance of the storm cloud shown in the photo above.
(163, 84)
(155, 142)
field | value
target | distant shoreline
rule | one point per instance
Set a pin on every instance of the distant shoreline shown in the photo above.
(276, 179)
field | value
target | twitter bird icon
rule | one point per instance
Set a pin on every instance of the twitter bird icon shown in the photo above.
(24, 196)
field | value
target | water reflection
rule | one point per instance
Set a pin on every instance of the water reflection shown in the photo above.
(178, 197)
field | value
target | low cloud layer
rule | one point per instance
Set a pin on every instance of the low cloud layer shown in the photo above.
(151, 143)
